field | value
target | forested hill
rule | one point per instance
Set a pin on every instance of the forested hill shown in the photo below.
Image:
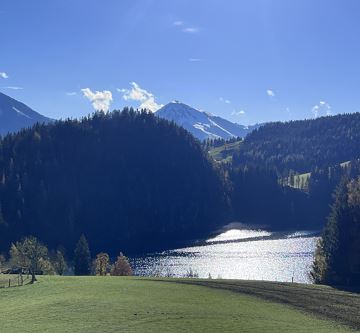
(127, 180)
(302, 145)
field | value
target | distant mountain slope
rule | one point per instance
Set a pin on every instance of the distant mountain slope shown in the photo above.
(225, 152)
(302, 145)
(201, 124)
(15, 115)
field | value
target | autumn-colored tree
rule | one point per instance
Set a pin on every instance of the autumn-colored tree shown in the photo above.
(101, 263)
(30, 255)
(121, 267)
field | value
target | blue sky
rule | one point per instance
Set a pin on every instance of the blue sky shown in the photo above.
(248, 61)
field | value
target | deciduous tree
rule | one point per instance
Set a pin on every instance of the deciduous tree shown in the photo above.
(30, 255)
(121, 267)
(101, 263)
(59, 262)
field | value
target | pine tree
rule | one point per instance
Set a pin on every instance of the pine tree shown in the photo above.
(82, 257)
(337, 259)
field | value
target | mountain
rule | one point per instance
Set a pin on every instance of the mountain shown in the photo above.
(302, 145)
(15, 115)
(201, 124)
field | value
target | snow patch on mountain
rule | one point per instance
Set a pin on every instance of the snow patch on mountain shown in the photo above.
(21, 113)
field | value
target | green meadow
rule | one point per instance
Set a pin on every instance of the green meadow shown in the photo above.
(225, 152)
(116, 304)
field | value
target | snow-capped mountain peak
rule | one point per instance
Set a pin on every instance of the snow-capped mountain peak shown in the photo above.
(202, 125)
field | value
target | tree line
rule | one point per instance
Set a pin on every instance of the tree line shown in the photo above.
(30, 256)
(302, 145)
(258, 196)
(267, 162)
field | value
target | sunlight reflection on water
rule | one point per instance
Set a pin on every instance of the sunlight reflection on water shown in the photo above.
(275, 257)
(239, 234)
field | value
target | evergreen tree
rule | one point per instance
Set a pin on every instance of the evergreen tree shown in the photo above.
(82, 257)
(337, 258)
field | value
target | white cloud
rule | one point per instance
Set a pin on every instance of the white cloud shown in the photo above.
(100, 100)
(185, 28)
(315, 110)
(4, 75)
(151, 105)
(136, 93)
(226, 101)
(238, 113)
(190, 30)
(321, 109)
(14, 88)
(195, 59)
(71, 93)
(270, 93)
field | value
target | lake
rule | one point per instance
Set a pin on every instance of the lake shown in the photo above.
(238, 254)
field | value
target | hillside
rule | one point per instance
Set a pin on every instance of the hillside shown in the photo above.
(116, 178)
(15, 115)
(269, 167)
(302, 145)
(113, 304)
(201, 124)
(224, 152)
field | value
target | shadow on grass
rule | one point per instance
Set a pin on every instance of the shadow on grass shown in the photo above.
(339, 305)
(350, 289)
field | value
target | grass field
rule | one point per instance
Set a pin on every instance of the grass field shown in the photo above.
(112, 304)
(323, 301)
(224, 153)
(14, 280)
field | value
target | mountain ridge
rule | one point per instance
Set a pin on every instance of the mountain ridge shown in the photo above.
(202, 125)
(15, 115)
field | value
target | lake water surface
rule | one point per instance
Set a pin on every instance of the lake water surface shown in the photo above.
(238, 254)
